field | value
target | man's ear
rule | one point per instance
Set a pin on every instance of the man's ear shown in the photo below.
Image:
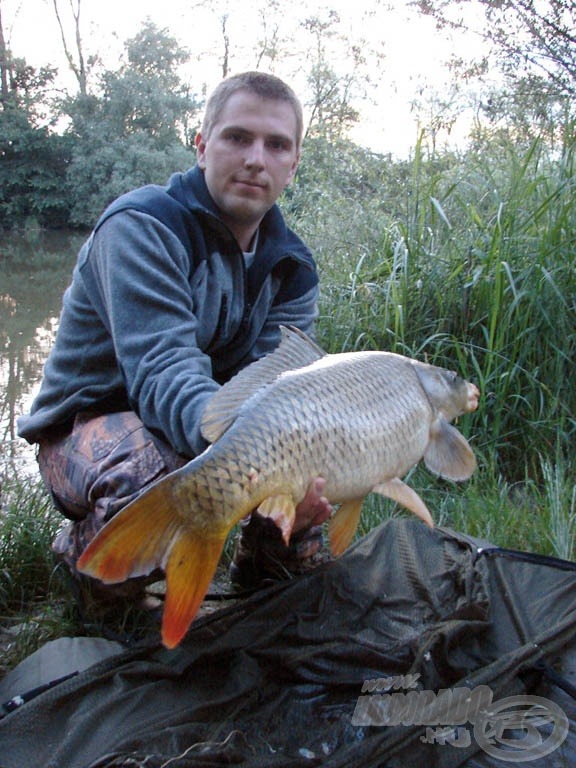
(293, 169)
(200, 145)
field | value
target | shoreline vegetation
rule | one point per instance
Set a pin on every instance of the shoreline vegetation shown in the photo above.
(465, 261)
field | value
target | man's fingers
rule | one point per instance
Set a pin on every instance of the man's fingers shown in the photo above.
(314, 508)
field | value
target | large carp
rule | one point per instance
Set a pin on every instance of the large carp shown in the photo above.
(360, 420)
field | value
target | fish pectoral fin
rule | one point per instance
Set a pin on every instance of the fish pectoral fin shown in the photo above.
(281, 509)
(398, 491)
(343, 525)
(191, 566)
(135, 541)
(448, 453)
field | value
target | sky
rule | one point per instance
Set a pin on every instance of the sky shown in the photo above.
(413, 51)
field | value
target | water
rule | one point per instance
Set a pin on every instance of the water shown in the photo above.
(35, 269)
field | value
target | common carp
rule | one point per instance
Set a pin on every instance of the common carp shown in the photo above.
(360, 420)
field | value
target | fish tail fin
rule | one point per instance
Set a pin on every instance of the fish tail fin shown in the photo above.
(191, 567)
(147, 534)
(135, 541)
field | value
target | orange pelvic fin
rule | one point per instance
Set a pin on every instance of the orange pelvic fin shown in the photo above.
(191, 565)
(343, 525)
(398, 491)
(135, 541)
(282, 510)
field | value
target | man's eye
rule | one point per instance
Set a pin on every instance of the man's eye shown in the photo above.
(237, 138)
(278, 145)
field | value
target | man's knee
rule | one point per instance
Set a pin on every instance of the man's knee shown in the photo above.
(102, 463)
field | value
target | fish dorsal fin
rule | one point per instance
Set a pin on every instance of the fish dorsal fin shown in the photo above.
(448, 453)
(296, 350)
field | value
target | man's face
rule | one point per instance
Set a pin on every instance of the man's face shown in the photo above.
(248, 158)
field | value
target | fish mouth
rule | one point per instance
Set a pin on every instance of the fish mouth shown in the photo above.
(473, 397)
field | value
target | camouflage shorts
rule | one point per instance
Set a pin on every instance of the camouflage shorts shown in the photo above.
(95, 468)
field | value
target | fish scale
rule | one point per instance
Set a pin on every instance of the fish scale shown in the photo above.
(360, 420)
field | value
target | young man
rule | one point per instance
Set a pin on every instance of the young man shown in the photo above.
(176, 289)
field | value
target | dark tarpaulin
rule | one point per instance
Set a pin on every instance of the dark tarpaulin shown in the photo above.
(275, 680)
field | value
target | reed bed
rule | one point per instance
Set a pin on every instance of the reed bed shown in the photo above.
(474, 270)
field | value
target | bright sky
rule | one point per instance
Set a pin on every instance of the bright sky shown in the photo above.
(414, 52)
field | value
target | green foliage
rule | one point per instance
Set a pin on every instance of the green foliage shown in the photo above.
(25, 88)
(27, 526)
(146, 95)
(35, 604)
(135, 132)
(469, 264)
(32, 172)
(101, 171)
(131, 135)
(531, 45)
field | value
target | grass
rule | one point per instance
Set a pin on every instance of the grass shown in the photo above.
(466, 262)
(35, 602)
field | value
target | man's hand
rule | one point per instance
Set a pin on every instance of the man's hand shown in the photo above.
(314, 508)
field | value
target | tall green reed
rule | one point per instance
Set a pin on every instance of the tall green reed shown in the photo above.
(475, 271)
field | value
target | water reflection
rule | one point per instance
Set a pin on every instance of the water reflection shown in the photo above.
(35, 269)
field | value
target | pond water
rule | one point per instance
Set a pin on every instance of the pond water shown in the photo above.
(35, 268)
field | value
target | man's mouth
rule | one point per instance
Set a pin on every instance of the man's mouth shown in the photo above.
(250, 183)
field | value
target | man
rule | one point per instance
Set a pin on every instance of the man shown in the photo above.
(176, 289)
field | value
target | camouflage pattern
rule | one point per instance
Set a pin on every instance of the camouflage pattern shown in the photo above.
(95, 468)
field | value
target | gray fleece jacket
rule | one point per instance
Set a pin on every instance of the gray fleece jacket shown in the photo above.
(162, 310)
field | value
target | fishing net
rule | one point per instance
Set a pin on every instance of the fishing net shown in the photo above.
(404, 652)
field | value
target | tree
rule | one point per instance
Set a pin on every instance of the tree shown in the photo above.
(33, 165)
(32, 159)
(136, 131)
(332, 112)
(4, 63)
(74, 52)
(529, 38)
(146, 93)
(534, 47)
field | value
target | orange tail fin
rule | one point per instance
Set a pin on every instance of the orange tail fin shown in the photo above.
(150, 534)
(135, 541)
(191, 566)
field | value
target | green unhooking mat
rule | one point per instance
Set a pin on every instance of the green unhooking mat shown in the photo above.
(416, 648)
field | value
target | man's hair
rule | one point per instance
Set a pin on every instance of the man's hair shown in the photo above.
(262, 84)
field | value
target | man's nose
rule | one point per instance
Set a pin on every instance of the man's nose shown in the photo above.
(255, 154)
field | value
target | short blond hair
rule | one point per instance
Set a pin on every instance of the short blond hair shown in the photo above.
(262, 84)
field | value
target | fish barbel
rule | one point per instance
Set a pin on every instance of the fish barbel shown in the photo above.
(360, 420)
